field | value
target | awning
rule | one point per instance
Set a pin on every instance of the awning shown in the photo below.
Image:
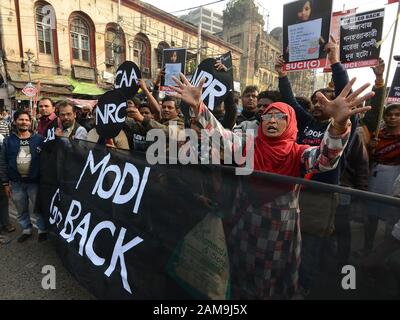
(20, 96)
(45, 88)
(53, 80)
(86, 88)
(54, 85)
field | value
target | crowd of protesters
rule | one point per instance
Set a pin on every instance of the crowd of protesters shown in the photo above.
(328, 138)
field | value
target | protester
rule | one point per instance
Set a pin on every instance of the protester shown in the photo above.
(385, 163)
(4, 126)
(226, 111)
(276, 151)
(151, 101)
(133, 128)
(5, 224)
(145, 111)
(171, 122)
(20, 158)
(318, 208)
(48, 122)
(86, 119)
(70, 127)
(249, 104)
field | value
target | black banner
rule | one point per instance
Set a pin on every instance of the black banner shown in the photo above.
(360, 35)
(394, 93)
(129, 230)
(218, 83)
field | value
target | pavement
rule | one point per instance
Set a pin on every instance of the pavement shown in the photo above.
(21, 274)
(21, 271)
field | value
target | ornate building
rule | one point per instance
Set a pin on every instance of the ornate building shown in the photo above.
(74, 47)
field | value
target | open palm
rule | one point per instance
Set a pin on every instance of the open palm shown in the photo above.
(187, 93)
(345, 104)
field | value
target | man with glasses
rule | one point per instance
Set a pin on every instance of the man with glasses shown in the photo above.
(70, 127)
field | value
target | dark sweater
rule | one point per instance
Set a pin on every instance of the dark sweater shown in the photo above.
(246, 116)
(311, 131)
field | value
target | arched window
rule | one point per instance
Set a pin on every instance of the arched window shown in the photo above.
(80, 39)
(43, 17)
(160, 48)
(142, 54)
(115, 45)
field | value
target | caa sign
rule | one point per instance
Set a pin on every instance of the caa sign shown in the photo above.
(126, 79)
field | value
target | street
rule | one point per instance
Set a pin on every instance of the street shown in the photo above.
(22, 263)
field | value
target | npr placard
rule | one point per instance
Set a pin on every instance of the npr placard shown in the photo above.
(218, 83)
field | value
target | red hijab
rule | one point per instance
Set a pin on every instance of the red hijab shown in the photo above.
(281, 155)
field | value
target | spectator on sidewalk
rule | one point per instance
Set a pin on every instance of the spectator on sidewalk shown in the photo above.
(20, 158)
(5, 225)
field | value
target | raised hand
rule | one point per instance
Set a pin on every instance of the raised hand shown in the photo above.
(279, 62)
(332, 50)
(187, 93)
(220, 66)
(160, 74)
(142, 84)
(345, 105)
(379, 69)
(135, 114)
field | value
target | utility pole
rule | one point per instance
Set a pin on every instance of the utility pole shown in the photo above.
(29, 54)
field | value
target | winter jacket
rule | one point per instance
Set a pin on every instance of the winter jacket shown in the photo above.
(8, 159)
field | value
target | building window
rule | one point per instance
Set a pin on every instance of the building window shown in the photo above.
(160, 48)
(115, 45)
(206, 20)
(236, 40)
(80, 40)
(217, 23)
(142, 54)
(43, 30)
(206, 12)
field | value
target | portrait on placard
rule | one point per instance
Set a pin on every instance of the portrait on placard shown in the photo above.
(174, 62)
(306, 27)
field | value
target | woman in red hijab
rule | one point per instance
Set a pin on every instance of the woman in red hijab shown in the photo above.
(265, 240)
